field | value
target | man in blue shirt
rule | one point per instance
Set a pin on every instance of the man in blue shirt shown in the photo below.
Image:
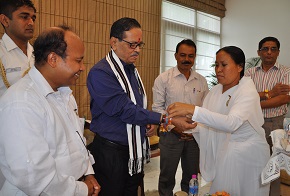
(119, 114)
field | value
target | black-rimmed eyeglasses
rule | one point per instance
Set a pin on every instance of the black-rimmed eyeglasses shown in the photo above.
(134, 44)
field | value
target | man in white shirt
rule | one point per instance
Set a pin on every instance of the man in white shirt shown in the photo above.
(17, 18)
(42, 148)
(178, 84)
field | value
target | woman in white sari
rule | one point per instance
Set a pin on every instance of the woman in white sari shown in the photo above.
(233, 148)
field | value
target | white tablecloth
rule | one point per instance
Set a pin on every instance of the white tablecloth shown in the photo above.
(280, 159)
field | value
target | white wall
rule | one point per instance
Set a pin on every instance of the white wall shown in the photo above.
(248, 21)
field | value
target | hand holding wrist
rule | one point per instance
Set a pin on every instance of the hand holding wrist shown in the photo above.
(165, 122)
(267, 94)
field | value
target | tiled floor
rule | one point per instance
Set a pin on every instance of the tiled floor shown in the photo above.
(152, 175)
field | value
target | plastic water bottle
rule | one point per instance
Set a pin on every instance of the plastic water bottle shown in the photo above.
(193, 186)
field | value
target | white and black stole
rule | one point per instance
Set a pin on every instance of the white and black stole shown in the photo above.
(139, 153)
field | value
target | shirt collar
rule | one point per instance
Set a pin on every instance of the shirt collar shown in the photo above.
(44, 86)
(8, 42)
(276, 66)
(193, 74)
(64, 91)
(127, 66)
(10, 45)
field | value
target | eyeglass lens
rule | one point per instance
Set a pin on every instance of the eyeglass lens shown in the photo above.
(134, 45)
(266, 49)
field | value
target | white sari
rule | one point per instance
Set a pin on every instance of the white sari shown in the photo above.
(233, 148)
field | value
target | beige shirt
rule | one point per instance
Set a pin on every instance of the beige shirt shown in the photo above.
(172, 86)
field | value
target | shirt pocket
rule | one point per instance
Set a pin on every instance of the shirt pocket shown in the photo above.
(197, 97)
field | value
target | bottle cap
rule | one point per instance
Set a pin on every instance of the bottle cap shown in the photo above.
(193, 176)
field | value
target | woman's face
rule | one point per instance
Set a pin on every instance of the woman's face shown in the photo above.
(227, 71)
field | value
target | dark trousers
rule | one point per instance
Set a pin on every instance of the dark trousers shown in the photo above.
(270, 125)
(172, 150)
(111, 169)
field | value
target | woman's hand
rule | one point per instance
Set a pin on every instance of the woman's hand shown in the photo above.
(183, 123)
(180, 109)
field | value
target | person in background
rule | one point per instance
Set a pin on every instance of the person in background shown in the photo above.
(272, 81)
(17, 18)
(119, 114)
(233, 147)
(42, 150)
(178, 84)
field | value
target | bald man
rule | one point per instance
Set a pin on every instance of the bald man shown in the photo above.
(40, 127)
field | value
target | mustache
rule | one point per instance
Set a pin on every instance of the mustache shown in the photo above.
(185, 62)
(135, 54)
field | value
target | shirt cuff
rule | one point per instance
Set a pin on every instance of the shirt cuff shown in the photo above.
(194, 116)
(81, 189)
(90, 170)
(154, 118)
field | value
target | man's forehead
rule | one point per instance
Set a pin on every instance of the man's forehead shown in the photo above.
(25, 9)
(131, 32)
(270, 43)
(185, 49)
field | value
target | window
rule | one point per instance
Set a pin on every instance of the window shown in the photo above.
(178, 23)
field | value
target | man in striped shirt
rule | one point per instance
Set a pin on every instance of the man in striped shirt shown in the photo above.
(272, 81)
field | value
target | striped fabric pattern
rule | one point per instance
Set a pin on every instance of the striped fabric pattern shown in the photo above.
(267, 80)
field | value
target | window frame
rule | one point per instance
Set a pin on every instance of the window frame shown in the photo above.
(206, 69)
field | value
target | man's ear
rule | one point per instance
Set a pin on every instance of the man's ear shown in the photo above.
(4, 20)
(258, 52)
(52, 59)
(113, 42)
(175, 55)
(240, 68)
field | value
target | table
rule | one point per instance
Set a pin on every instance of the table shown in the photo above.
(280, 159)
